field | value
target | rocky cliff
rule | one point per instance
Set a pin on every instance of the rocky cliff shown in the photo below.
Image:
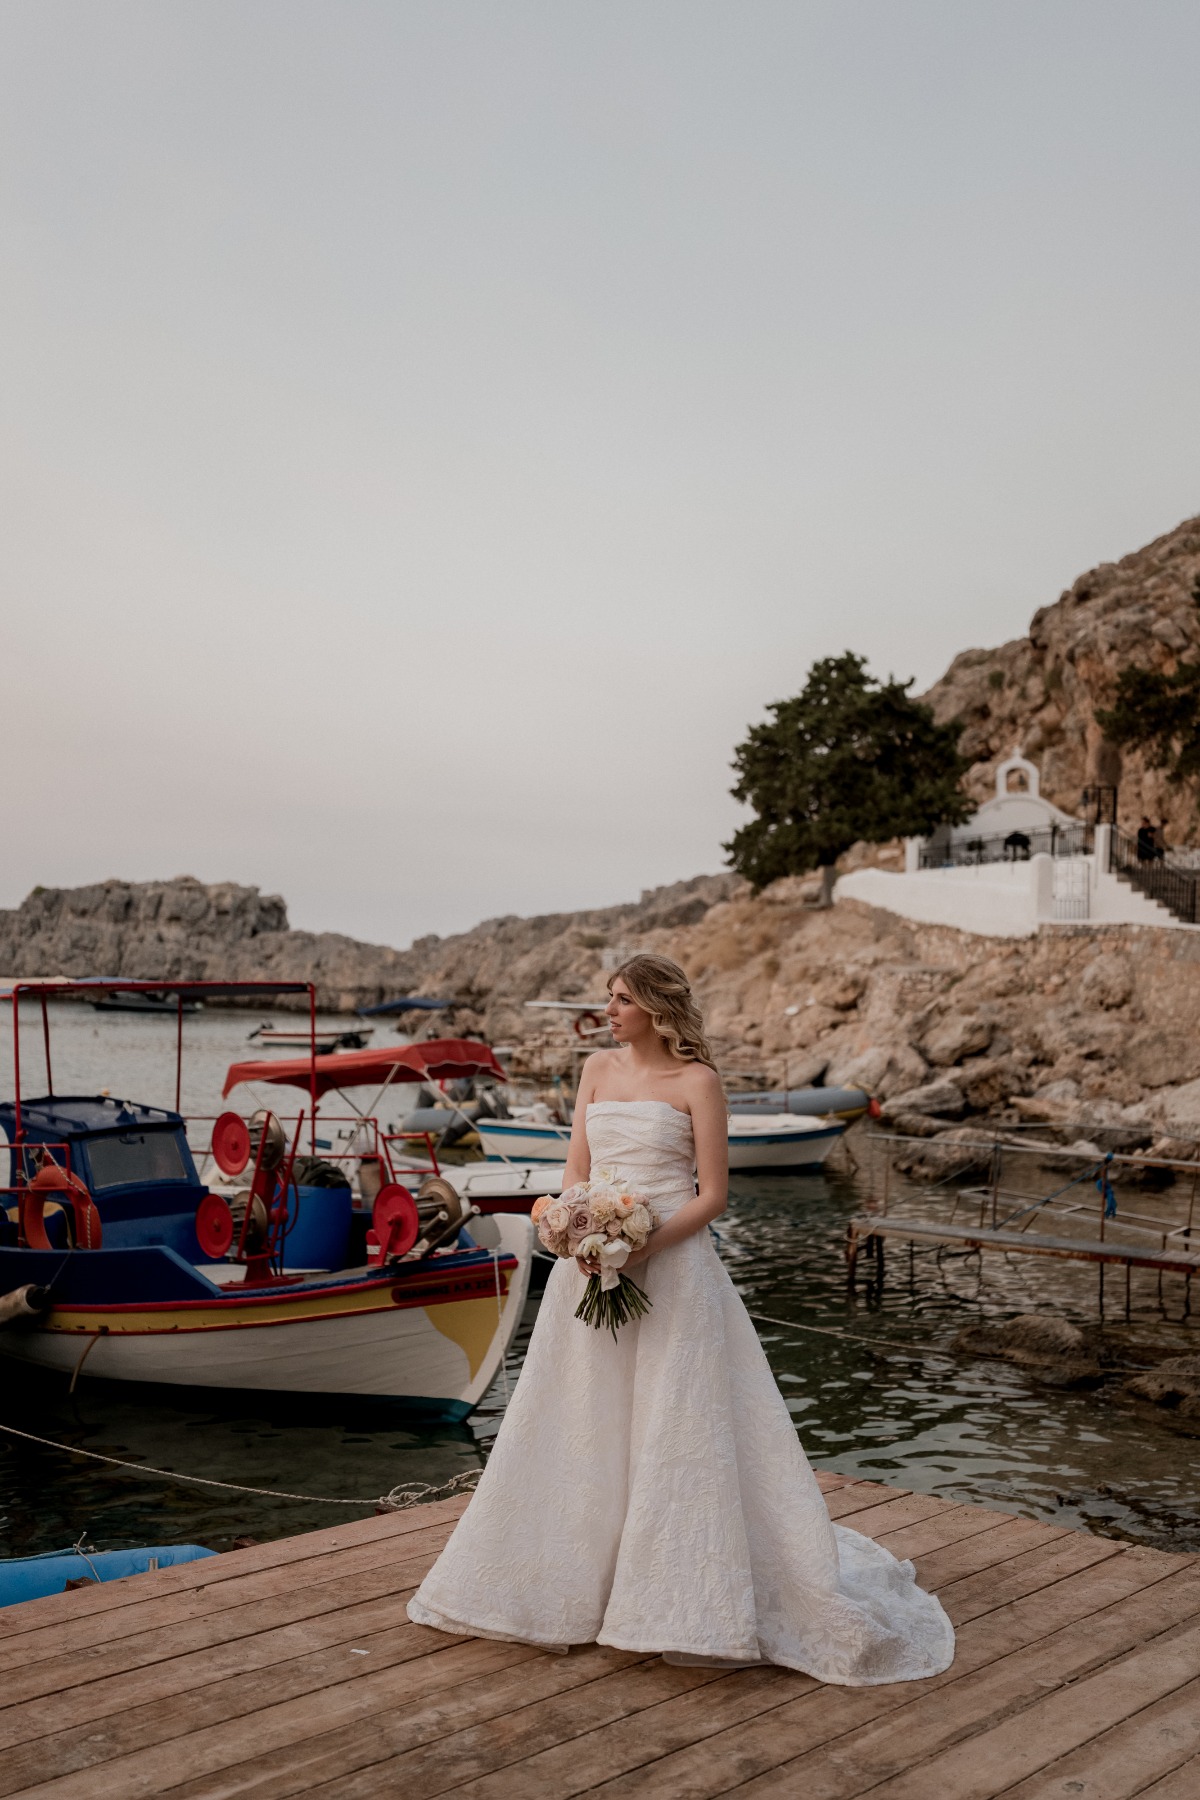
(1039, 694)
(1075, 1022)
(184, 930)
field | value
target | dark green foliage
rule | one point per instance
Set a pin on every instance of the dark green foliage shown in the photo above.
(1159, 714)
(848, 758)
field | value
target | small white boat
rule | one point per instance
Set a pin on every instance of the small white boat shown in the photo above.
(501, 1187)
(780, 1141)
(327, 1038)
(756, 1141)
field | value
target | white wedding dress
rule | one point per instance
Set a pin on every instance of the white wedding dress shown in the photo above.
(651, 1493)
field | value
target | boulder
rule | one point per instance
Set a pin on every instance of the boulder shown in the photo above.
(989, 1081)
(950, 1153)
(940, 1098)
(1158, 1057)
(956, 1037)
(1054, 1349)
(1175, 1383)
(1179, 1108)
(1107, 981)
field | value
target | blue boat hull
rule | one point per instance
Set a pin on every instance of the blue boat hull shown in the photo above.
(33, 1577)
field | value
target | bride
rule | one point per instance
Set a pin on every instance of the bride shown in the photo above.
(650, 1492)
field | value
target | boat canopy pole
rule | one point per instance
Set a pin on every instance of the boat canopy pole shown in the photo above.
(312, 1065)
(46, 1041)
(16, 1006)
(178, 1049)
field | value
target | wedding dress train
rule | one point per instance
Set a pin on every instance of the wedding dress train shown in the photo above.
(652, 1493)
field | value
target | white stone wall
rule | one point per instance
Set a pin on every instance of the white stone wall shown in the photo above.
(1003, 899)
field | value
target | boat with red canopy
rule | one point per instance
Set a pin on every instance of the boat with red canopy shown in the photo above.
(117, 1255)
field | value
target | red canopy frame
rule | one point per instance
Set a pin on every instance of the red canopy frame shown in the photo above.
(435, 1059)
(64, 987)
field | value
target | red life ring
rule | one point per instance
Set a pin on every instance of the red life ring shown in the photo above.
(52, 1179)
(587, 1019)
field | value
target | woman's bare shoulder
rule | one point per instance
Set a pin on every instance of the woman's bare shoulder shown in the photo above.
(594, 1068)
(702, 1086)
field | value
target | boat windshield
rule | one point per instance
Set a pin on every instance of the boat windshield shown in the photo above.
(135, 1156)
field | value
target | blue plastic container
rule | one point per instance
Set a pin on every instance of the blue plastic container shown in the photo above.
(32, 1577)
(318, 1228)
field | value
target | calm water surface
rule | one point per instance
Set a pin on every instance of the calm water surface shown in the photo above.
(885, 1398)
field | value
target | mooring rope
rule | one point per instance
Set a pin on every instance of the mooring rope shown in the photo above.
(855, 1337)
(407, 1493)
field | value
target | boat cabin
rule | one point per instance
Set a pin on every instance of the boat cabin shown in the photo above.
(134, 1161)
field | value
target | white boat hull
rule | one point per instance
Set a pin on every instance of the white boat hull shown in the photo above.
(439, 1357)
(766, 1141)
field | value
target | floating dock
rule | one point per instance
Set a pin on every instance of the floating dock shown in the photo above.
(291, 1668)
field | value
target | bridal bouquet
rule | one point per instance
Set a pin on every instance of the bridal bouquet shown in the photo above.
(600, 1220)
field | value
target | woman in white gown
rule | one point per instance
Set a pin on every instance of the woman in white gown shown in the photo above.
(651, 1493)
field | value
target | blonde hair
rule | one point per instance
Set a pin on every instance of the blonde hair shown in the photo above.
(660, 987)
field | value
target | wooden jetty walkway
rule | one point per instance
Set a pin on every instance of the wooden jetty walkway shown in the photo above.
(291, 1668)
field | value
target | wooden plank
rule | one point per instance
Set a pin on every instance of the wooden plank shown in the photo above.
(543, 1752)
(146, 1721)
(858, 1495)
(907, 1743)
(300, 1764)
(1156, 1742)
(1181, 1784)
(891, 1514)
(368, 1626)
(569, 1746)
(1046, 1562)
(1097, 1250)
(835, 1715)
(950, 1526)
(997, 1759)
(55, 1608)
(828, 1480)
(172, 1643)
(129, 1764)
(193, 1603)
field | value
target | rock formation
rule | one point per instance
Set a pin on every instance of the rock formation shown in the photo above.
(1040, 693)
(941, 1025)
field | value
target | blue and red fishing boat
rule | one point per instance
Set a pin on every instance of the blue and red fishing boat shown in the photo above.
(117, 1257)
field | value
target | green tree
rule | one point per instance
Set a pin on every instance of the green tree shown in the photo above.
(1159, 714)
(848, 758)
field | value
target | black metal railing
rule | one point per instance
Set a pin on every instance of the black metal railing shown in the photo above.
(1149, 869)
(1012, 846)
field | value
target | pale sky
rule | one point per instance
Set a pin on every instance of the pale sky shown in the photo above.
(433, 430)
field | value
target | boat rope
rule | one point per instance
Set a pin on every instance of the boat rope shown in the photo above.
(500, 1326)
(77, 1549)
(855, 1337)
(397, 1499)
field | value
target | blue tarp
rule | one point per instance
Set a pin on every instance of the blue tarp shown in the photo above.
(400, 1006)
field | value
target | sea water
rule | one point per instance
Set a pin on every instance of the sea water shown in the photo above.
(872, 1379)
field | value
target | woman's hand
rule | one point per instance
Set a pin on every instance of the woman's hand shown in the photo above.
(638, 1256)
(590, 1265)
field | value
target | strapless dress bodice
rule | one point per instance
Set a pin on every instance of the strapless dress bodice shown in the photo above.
(647, 1143)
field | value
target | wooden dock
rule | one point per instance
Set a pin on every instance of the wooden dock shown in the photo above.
(291, 1668)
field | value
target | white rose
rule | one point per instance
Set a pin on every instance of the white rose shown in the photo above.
(591, 1247)
(614, 1252)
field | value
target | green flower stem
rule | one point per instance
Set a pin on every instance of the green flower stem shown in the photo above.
(612, 1308)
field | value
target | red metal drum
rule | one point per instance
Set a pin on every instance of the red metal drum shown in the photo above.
(214, 1225)
(395, 1223)
(231, 1143)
